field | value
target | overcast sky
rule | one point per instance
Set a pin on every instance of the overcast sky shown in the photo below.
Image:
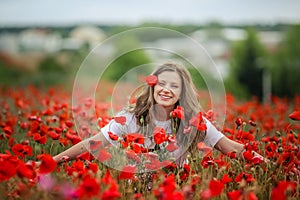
(61, 12)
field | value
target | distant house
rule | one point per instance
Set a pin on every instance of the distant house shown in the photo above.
(271, 39)
(39, 40)
(9, 43)
(82, 35)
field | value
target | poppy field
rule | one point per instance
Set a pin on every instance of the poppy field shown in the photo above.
(36, 124)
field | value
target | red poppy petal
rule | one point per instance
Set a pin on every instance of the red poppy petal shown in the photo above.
(295, 115)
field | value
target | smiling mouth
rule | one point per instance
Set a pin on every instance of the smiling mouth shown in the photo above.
(164, 97)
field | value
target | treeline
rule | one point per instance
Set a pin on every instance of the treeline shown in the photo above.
(253, 68)
(112, 29)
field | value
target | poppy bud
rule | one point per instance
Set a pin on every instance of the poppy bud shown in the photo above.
(238, 121)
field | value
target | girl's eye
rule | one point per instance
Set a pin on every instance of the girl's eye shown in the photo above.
(161, 84)
(174, 86)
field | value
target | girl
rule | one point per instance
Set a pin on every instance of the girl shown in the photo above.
(169, 102)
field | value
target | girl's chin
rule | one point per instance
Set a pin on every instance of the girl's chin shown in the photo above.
(166, 104)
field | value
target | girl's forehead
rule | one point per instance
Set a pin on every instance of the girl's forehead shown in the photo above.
(169, 76)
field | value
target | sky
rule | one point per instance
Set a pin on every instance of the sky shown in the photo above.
(63, 12)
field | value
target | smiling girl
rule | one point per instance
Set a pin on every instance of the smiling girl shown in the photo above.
(170, 94)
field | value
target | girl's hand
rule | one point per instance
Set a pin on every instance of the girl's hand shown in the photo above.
(35, 164)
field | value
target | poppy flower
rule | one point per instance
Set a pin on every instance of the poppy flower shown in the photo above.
(89, 187)
(207, 161)
(295, 115)
(171, 147)
(238, 122)
(77, 166)
(231, 154)
(26, 170)
(124, 144)
(186, 172)
(167, 164)
(215, 188)
(226, 179)
(251, 196)
(40, 139)
(8, 130)
(279, 191)
(178, 112)
(127, 172)
(270, 149)
(53, 135)
(11, 141)
(159, 135)
(111, 193)
(120, 119)
(244, 176)
(150, 155)
(84, 156)
(95, 144)
(167, 189)
(257, 160)
(44, 129)
(198, 122)
(22, 150)
(245, 136)
(154, 164)
(47, 164)
(7, 170)
(107, 178)
(136, 148)
(112, 136)
(131, 154)
(103, 155)
(73, 138)
(151, 80)
(248, 155)
(235, 195)
(69, 123)
(135, 137)
(286, 158)
(93, 167)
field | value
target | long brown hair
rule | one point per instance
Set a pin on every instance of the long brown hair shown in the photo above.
(188, 100)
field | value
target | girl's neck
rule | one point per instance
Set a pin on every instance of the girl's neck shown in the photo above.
(161, 113)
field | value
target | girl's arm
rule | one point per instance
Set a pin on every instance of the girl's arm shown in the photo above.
(226, 145)
(80, 147)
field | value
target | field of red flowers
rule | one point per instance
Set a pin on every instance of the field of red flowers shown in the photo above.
(36, 124)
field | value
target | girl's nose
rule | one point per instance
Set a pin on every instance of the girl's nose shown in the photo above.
(166, 89)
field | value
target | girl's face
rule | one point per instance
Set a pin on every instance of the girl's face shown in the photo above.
(168, 89)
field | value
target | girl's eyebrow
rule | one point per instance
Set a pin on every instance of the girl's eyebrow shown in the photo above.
(163, 80)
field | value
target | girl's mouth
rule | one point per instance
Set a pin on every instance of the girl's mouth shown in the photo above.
(164, 97)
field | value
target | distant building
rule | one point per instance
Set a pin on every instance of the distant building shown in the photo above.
(83, 35)
(9, 43)
(270, 39)
(40, 40)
